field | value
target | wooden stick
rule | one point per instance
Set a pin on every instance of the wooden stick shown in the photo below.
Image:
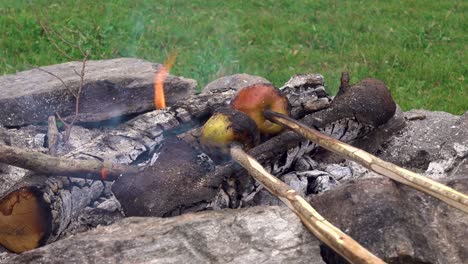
(54, 166)
(53, 136)
(320, 227)
(394, 172)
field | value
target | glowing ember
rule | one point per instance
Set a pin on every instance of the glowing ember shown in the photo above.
(159, 99)
(103, 174)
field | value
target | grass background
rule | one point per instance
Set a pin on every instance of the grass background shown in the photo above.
(418, 48)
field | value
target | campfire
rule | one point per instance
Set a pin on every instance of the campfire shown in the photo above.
(184, 157)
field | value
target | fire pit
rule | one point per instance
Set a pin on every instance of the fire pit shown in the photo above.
(163, 170)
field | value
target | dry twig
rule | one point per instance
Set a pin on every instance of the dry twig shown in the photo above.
(57, 166)
(53, 136)
(51, 35)
(60, 79)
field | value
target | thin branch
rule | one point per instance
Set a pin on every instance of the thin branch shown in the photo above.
(51, 33)
(52, 40)
(53, 136)
(59, 36)
(74, 31)
(60, 79)
(77, 103)
(57, 166)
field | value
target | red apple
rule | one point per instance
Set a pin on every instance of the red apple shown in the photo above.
(254, 99)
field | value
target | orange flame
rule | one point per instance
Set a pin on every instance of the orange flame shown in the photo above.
(161, 75)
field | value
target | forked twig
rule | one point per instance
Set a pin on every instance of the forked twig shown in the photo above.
(52, 40)
(51, 33)
(60, 79)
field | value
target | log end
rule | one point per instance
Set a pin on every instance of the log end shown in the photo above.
(24, 220)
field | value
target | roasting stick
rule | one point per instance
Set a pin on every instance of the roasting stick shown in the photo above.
(394, 172)
(320, 227)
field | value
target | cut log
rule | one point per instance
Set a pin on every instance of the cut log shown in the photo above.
(24, 220)
(39, 209)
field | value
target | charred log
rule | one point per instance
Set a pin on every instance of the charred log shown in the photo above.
(368, 102)
(176, 178)
(53, 136)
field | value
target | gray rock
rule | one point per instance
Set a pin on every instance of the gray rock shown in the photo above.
(236, 82)
(397, 223)
(112, 88)
(254, 235)
(437, 138)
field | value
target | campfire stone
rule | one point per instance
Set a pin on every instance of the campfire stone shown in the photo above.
(258, 234)
(112, 88)
(435, 138)
(397, 223)
(236, 81)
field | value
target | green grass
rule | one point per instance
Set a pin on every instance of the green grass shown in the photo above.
(418, 48)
